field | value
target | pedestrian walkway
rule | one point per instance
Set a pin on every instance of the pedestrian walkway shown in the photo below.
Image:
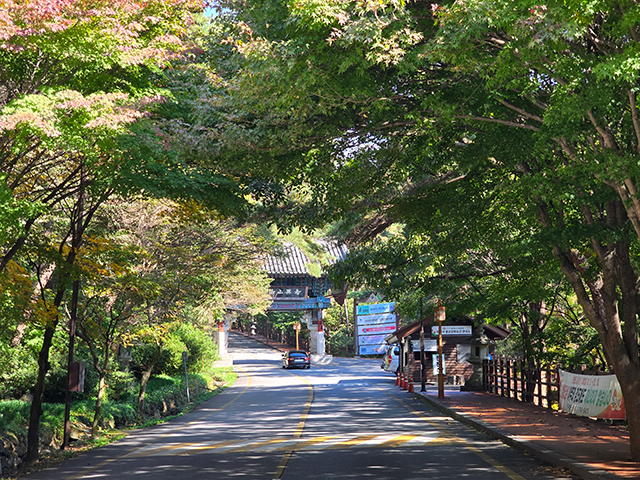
(589, 448)
(262, 339)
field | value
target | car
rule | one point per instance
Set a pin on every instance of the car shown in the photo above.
(296, 359)
(391, 359)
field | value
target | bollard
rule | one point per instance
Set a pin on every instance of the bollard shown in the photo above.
(400, 377)
(397, 378)
(405, 383)
(411, 390)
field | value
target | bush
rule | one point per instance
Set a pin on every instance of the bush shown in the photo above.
(203, 351)
(170, 362)
(18, 367)
(121, 386)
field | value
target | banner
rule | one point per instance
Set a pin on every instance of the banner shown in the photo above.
(377, 329)
(435, 359)
(591, 395)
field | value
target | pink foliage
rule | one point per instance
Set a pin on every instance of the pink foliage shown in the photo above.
(121, 19)
(10, 122)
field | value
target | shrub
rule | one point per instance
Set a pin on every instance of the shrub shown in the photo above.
(203, 351)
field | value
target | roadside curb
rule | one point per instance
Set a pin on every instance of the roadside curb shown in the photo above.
(583, 470)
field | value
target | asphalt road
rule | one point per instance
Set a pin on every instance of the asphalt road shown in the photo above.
(346, 420)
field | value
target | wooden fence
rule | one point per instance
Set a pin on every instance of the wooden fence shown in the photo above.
(514, 379)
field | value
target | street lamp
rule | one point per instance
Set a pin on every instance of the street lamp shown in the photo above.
(440, 314)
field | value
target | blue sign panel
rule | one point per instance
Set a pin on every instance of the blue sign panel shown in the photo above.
(375, 308)
(372, 349)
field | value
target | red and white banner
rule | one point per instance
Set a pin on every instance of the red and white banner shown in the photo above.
(376, 329)
(591, 395)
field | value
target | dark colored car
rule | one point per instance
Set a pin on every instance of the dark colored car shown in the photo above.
(296, 359)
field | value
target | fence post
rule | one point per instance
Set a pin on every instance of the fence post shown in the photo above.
(539, 385)
(523, 381)
(508, 378)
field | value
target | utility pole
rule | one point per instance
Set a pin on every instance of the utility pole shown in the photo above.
(423, 360)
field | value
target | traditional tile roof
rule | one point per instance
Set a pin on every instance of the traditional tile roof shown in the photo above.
(294, 262)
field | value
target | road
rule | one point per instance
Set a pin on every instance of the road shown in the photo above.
(346, 420)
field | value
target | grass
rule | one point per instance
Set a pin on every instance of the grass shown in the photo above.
(117, 418)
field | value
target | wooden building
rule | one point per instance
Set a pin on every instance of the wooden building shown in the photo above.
(464, 346)
(300, 283)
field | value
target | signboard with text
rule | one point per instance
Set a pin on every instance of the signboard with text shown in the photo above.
(372, 349)
(288, 293)
(375, 308)
(308, 304)
(429, 345)
(384, 318)
(451, 330)
(373, 323)
(591, 395)
(371, 339)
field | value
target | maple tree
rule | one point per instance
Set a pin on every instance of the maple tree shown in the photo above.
(389, 111)
(73, 76)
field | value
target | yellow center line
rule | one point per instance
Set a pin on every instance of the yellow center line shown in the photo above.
(256, 445)
(352, 442)
(399, 440)
(298, 432)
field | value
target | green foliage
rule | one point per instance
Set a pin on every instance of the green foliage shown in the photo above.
(12, 415)
(199, 344)
(502, 138)
(339, 338)
(122, 386)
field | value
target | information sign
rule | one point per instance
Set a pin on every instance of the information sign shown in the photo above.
(372, 349)
(375, 308)
(377, 329)
(451, 330)
(429, 345)
(376, 319)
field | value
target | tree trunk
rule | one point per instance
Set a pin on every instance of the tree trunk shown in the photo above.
(98, 409)
(610, 304)
(33, 435)
(102, 386)
(143, 388)
(146, 375)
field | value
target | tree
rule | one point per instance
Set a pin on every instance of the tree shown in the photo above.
(383, 107)
(72, 77)
(184, 263)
